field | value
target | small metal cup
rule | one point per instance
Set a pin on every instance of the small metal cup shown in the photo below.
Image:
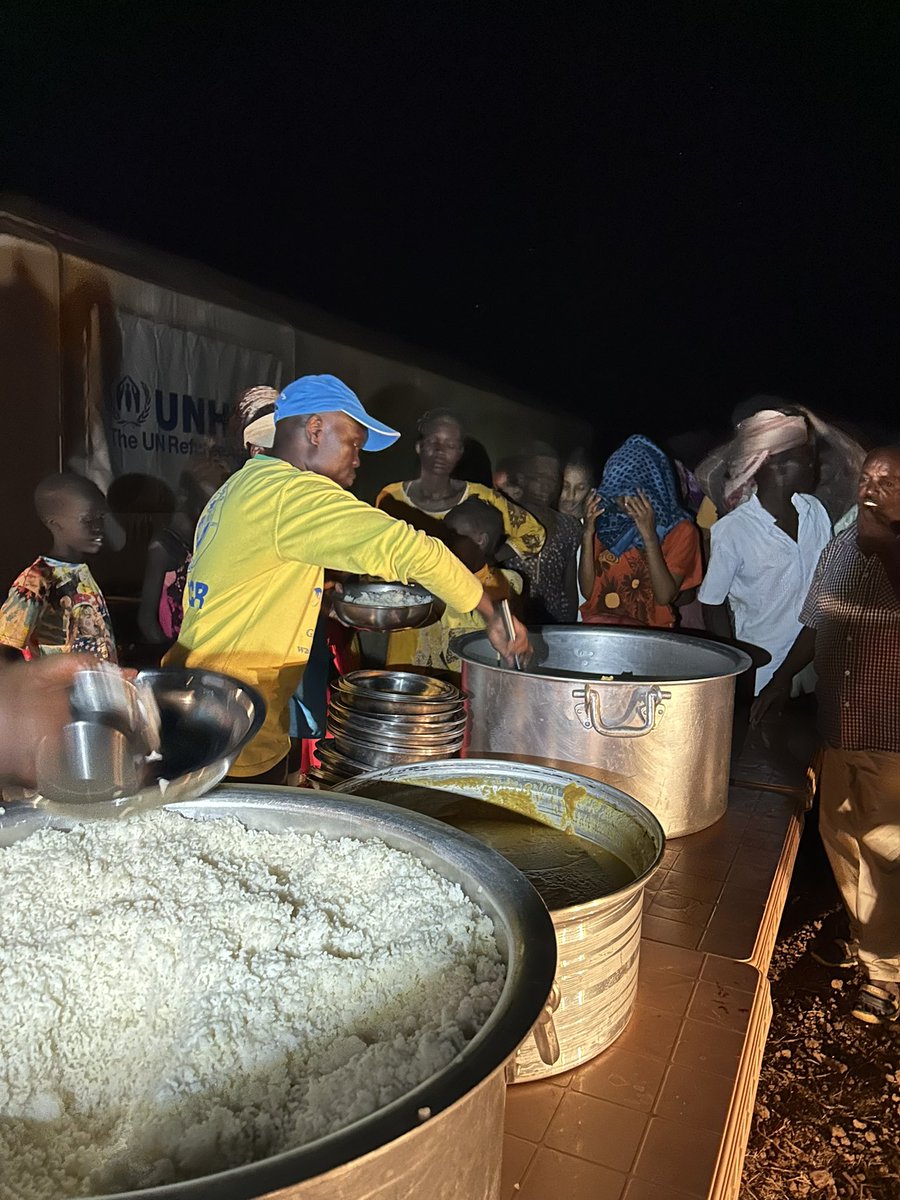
(102, 695)
(89, 761)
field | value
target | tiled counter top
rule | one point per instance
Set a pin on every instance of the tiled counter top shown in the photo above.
(664, 1113)
(722, 890)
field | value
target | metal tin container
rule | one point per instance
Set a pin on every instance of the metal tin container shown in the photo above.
(645, 710)
(381, 718)
(386, 606)
(444, 1138)
(599, 941)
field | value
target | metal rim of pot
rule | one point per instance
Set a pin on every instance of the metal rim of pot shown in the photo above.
(462, 767)
(738, 660)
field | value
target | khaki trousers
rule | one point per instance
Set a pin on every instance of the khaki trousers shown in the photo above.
(859, 819)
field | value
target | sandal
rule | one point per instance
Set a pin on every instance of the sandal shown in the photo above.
(834, 952)
(876, 1005)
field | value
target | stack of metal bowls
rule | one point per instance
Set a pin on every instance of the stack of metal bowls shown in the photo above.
(380, 719)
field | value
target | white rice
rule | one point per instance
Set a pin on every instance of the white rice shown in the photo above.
(181, 996)
(388, 597)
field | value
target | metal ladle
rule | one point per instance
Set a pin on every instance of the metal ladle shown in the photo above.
(509, 626)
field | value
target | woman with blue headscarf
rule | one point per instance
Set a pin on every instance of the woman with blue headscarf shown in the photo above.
(640, 549)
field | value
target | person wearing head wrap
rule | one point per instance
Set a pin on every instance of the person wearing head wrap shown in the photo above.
(263, 543)
(254, 401)
(256, 417)
(765, 548)
(251, 405)
(259, 434)
(839, 456)
(760, 437)
(640, 549)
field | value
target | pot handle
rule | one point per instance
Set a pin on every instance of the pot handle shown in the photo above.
(645, 703)
(544, 1031)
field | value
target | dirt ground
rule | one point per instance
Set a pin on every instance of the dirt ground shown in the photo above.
(827, 1119)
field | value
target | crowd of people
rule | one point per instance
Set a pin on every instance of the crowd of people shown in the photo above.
(785, 539)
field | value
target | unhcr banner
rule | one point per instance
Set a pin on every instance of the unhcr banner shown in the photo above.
(174, 394)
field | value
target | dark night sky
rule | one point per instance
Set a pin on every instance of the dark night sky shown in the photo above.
(639, 212)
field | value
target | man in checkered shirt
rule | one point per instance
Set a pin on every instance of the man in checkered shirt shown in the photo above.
(852, 619)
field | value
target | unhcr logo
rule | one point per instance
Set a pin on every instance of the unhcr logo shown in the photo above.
(133, 402)
(174, 412)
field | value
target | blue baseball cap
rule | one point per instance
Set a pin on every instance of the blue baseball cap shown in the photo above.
(325, 393)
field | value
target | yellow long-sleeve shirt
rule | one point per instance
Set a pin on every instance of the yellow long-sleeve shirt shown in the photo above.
(254, 586)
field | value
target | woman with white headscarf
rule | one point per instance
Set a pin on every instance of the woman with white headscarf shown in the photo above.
(256, 417)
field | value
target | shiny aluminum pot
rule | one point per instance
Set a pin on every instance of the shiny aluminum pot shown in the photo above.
(444, 1139)
(645, 710)
(598, 941)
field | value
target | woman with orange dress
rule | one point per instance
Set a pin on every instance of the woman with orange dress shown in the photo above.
(640, 548)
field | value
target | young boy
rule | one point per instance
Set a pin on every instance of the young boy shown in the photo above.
(476, 537)
(55, 605)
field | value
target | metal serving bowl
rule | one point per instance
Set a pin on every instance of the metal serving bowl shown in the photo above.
(205, 721)
(394, 1151)
(399, 692)
(400, 723)
(366, 757)
(419, 607)
(384, 735)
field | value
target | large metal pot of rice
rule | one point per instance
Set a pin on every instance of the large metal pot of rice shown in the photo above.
(645, 710)
(441, 1139)
(594, 888)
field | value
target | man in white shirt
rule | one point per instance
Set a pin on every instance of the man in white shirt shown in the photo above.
(765, 550)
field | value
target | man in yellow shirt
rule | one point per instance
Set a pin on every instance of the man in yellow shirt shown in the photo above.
(263, 542)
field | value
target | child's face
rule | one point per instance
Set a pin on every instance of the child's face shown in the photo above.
(510, 485)
(88, 622)
(468, 543)
(78, 524)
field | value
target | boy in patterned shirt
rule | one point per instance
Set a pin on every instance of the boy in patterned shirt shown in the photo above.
(55, 605)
